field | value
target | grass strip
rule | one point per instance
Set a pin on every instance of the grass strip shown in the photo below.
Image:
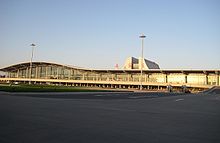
(45, 88)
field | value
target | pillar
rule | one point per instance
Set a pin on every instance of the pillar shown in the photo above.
(186, 79)
(206, 79)
(148, 77)
(18, 73)
(107, 77)
(83, 76)
(96, 77)
(27, 73)
(46, 71)
(145, 78)
(128, 77)
(166, 78)
(217, 79)
(57, 73)
(36, 72)
(69, 74)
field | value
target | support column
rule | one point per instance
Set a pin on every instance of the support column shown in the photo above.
(36, 72)
(57, 73)
(112, 86)
(128, 76)
(69, 74)
(27, 73)
(139, 79)
(108, 77)
(46, 72)
(18, 73)
(148, 77)
(100, 77)
(83, 76)
(49, 72)
(217, 78)
(63, 73)
(96, 77)
(206, 79)
(93, 78)
(166, 78)
(186, 79)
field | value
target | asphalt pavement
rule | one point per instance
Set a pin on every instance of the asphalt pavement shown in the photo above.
(109, 118)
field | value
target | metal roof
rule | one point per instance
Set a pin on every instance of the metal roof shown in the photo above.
(14, 67)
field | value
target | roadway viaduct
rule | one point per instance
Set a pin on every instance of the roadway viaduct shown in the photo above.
(107, 84)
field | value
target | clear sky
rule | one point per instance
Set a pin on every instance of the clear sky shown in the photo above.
(181, 34)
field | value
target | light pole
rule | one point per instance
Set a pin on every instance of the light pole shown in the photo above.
(142, 36)
(32, 54)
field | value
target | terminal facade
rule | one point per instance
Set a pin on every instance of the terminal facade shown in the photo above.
(128, 77)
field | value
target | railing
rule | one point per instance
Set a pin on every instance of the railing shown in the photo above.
(100, 82)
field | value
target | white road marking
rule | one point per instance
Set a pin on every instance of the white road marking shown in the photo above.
(179, 100)
(135, 97)
(217, 98)
(99, 95)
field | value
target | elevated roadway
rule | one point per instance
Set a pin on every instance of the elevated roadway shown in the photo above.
(107, 84)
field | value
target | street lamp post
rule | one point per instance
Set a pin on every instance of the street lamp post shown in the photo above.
(142, 36)
(32, 54)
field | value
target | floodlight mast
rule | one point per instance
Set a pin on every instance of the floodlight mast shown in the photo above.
(32, 55)
(142, 36)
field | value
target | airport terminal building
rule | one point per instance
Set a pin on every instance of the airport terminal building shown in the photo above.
(129, 77)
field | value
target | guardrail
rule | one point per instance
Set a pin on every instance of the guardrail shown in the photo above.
(122, 83)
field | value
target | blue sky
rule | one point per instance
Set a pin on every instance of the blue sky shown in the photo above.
(181, 34)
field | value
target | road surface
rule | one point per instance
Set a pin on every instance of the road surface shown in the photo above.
(109, 118)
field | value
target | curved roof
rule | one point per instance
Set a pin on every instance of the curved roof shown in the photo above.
(27, 64)
(165, 71)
